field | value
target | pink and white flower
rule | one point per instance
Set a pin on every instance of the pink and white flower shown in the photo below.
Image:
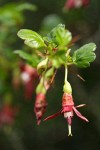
(68, 109)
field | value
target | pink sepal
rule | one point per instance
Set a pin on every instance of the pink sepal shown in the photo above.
(53, 116)
(38, 122)
(79, 114)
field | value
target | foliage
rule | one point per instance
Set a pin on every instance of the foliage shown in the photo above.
(56, 46)
(55, 53)
(31, 38)
(84, 55)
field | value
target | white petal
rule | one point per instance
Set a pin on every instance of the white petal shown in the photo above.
(68, 114)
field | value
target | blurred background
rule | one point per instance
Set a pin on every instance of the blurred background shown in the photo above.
(18, 128)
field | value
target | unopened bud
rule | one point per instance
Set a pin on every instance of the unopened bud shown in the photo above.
(67, 88)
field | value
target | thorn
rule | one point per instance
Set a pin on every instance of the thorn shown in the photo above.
(80, 77)
(80, 105)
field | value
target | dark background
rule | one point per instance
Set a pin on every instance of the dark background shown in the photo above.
(52, 135)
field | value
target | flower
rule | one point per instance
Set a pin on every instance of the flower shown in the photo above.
(26, 75)
(70, 4)
(68, 110)
(40, 106)
(29, 77)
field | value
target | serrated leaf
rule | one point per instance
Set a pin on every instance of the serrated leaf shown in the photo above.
(58, 59)
(30, 59)
(84, 55)
(59, 36)
(32, 39)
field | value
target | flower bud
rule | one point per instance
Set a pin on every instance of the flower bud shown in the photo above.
(67, 88)
(40, 106)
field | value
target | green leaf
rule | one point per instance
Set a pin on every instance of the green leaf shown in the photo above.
(84, 55)
(58, 59)
(32, 39)
(33, 60)
(59, 36)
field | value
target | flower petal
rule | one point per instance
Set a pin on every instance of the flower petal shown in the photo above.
(52, 116)
(79, 114)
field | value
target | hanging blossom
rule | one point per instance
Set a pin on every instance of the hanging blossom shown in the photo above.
(70, 4)
(68, 107)
(41, 90)
(68, 110)
(40, 101)
(29, 77)
(26, 75)
(40, 106)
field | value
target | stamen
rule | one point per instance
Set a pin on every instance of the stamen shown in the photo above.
(69, 130)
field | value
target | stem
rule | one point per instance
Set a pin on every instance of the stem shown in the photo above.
(66, 73)
(67, 87)
(43, 74)
(66, 68)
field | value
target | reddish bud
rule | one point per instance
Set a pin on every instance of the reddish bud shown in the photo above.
(40, 106)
